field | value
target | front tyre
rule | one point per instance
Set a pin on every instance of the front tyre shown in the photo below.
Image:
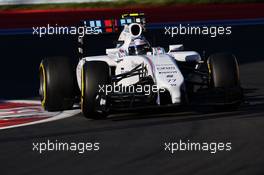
(95, 76)
(56, 84)
(224, 78)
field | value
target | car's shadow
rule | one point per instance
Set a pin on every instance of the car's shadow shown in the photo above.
(78, 125)
(252, 103)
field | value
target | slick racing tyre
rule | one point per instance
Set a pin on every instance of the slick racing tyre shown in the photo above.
(95, 74)
(56, 84)
(224, 77)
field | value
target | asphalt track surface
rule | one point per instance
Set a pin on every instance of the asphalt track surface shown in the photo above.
(133, 143)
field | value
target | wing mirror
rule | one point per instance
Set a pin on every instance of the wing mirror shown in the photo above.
(176, 47)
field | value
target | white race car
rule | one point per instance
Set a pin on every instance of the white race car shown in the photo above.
(134, 74)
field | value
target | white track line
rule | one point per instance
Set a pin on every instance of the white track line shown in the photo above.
(23, 101)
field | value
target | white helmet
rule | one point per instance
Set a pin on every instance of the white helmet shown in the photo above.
(139, 46)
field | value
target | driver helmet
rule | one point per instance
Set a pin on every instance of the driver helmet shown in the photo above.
(139, 46)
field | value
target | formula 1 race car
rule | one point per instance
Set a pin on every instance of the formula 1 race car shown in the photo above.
(134, 74)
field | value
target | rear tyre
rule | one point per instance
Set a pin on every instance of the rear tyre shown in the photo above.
(56, 84)
(95, 74)
(224, 77)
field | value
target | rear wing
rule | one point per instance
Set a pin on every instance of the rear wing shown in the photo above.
(115, 25)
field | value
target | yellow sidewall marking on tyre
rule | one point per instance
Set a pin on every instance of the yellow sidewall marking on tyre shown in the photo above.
(209, 71)
(44, 85)
(209, 68)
